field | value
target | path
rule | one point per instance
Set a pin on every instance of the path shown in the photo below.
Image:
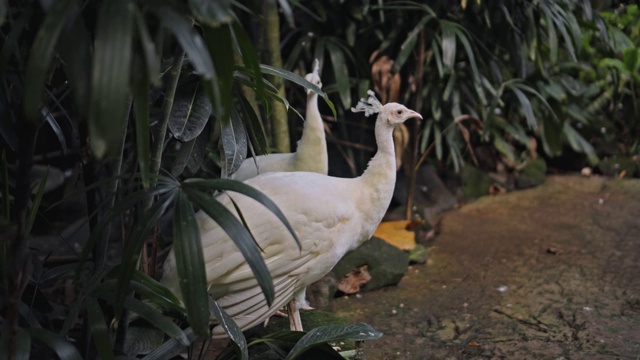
(546, 273)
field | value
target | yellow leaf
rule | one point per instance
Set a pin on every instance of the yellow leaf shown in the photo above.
(396, 234)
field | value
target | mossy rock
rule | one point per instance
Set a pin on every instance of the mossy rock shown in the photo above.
(475, 183)
(385, 263)
(533, 174)
(613, 166)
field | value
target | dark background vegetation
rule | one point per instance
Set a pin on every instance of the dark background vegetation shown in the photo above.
(107, 107)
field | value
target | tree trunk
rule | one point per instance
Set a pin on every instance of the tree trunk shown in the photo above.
(279, 120)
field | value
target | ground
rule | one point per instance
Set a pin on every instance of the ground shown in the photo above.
(547, 273)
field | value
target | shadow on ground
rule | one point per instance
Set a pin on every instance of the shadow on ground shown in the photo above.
(547, 273)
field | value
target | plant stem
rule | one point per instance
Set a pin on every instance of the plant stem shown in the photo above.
(279, 119)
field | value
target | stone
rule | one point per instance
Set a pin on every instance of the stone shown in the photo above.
(386, 263)
(475, 183)
(532, 174)
(320, 293)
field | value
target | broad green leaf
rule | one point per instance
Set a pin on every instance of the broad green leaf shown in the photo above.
(141, 340)
(324, 334)
(99, 330)
(212, 13)
(552, 37)
(341, 73)
(190, 112)
(234, 142)
(238, 234)
(62, 348)
(220, 44)
(190, 265)
(157, 319)
(190, 156)
(189, 39)
(171, 347)
(36, 202)
(438, 139)
(110, 75)
(41, 55)
(231, 328)
(286, 10)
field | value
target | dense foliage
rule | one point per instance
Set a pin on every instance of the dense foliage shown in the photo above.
(112, 111)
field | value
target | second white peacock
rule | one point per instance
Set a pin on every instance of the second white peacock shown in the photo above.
(311, 152)
(330, 215)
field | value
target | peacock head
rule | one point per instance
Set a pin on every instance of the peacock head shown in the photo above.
(314, 77)
(392, 113)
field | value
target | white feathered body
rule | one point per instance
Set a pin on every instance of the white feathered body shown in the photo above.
(330, 215)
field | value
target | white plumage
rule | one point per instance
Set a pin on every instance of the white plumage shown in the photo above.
(311, 151)
(330, 216)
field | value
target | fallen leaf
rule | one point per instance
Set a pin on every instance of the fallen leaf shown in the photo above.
(474, 344)
(396, 234)
(352, 281)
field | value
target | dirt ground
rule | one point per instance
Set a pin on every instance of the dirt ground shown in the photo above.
(547, 273)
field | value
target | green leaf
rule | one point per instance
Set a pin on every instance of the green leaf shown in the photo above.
(110, 75)
(40, 57)
(171, 347)
(191, 154)
(579, 143)
(234, 142)
(36, 202)
(189, 39)
(143, 131)
(62, 348)
(3, 11)
(448, 44)
(295, 78)
(212, 13)
(630, 57)
(409, 43)
(75, 53)
(155, 291)
(505, 148)
(141, 340)
(133, 246)
(99, 330)
(249, 57)
(525, 106)
(190, 112)
(231, 328)
(253, 124)
(238, 234)
(148, 48)
(157, 319)
(190, 265)
(239, 187)
(6, 200)
(341, 73)
(220, 44)
(324, 334)
(286, 10)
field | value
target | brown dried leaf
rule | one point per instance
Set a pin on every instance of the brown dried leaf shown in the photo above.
(352, 281)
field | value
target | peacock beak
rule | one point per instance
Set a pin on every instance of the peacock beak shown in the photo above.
(414, 114)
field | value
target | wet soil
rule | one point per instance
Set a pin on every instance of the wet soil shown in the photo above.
(547, 273)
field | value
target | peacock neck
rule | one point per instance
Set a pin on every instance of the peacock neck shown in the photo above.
(378, 181)
(311, 152)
